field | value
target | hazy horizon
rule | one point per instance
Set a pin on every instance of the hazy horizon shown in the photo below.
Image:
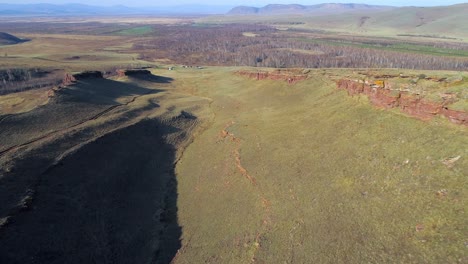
(259, 3)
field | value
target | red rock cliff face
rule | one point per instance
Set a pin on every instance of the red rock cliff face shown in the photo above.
(457, 117)
(69, 79)
(417, 107)
(276, 76)
(408, 103)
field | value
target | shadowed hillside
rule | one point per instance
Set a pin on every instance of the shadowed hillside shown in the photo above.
(89, 177)
(113, 201)
(8, 39)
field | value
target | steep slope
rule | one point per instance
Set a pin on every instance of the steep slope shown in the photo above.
(211, 166)
(302, 173)
(91, 175)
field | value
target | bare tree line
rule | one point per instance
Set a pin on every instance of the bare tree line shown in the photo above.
(227, 45)
(21, 79)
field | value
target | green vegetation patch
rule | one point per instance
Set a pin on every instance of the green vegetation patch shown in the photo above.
(335, 180)
(461, 105)
(400, 47)
(206, 25)
(136, 31)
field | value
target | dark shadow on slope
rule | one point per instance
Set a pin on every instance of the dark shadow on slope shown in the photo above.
(8, 39)
(146, 75)
(100, 91)
(113, 201)
(70, 106)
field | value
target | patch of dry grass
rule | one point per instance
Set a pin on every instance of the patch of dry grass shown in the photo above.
(56, 50)
(23, 101)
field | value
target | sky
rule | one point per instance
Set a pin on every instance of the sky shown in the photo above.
(257, 3)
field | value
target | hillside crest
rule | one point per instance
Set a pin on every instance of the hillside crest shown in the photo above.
(297, 9)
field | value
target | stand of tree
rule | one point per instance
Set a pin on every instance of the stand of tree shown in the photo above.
(268, 47)
(21, 79)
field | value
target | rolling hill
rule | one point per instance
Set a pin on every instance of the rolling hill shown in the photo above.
(215, 166)
(143, 157)
(447, 20)
(304, 9)
(440, 21)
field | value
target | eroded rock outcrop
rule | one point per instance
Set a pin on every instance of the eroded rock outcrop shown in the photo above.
(133, 72)
(384, 97)
(418, 107)
(69, 78)
(457, 117)
(288, 76)
(88, 75)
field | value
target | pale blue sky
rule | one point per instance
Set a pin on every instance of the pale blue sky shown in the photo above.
(257, 3)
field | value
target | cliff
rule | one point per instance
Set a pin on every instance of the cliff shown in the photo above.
(412, 104)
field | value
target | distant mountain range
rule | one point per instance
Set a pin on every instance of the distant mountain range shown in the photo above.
(272, 9)
(306, 9)
(81, 9)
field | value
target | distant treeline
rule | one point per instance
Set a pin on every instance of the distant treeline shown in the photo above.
(21, 79)
(268, 47)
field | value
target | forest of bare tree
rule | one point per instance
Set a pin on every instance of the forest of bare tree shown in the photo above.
(21, 79)
(265, 46)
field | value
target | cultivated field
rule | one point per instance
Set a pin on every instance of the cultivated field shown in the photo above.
(183, 153)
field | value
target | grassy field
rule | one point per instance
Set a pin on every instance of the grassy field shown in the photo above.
(309, 175)
(439, 22)
(400, 47)
(142, 30)
(23, 101)
(277, 172)
(70, 52)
